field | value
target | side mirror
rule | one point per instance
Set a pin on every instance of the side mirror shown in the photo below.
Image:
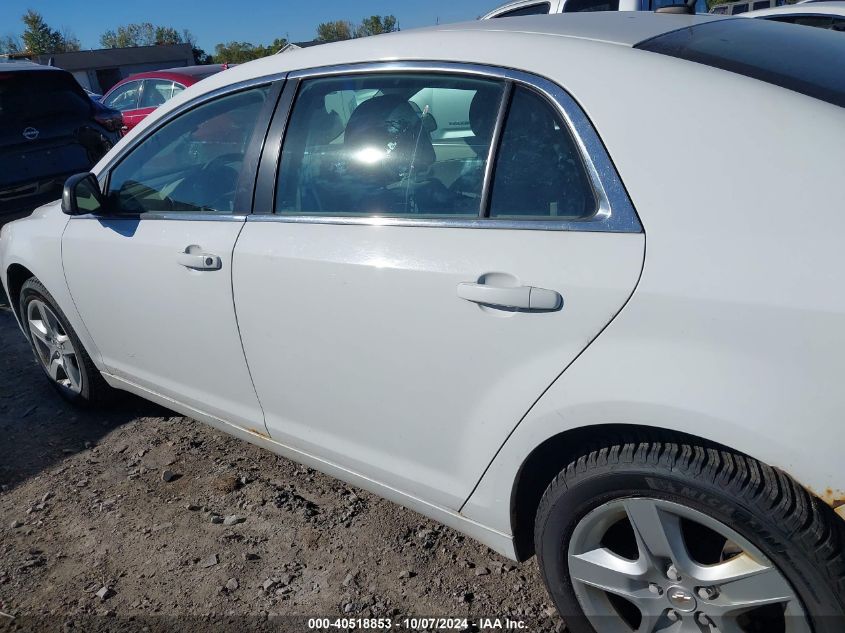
(82, 195)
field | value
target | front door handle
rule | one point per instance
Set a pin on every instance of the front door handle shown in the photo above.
(195, 260)
(519, 297)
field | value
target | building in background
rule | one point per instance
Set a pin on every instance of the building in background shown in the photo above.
(99, 70)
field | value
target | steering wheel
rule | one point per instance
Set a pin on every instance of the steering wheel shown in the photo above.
(223, 159)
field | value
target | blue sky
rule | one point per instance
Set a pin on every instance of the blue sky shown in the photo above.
(213, 21)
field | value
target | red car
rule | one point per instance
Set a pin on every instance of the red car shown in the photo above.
(138, 95)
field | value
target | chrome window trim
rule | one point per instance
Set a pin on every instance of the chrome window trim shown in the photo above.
(188, 216)
(615, 212)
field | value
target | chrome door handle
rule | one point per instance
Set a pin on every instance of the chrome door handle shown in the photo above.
(519, 297)
(199, 261)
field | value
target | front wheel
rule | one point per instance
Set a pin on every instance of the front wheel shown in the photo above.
(58, 349)
(666, 537)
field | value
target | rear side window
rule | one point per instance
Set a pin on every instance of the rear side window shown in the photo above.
(539, 172)
(417, 146)
(817, 21)
(578, 6)
(541, 8)
(754, 48)
(155, 93)
(408, 145)
(761, 4)
(41, 95)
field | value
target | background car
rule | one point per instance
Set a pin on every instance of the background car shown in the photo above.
(500, 315)
(829, 14)
(738, 8)
(544, 7)
(138, 95)
(49, 129)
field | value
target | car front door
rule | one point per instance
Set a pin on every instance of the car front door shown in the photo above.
(151, 274)
(125, 99)
(402, 303)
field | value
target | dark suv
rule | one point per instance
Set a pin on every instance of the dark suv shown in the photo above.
(49, 129)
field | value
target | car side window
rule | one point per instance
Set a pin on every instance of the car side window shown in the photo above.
(155, 93)
(539, 171)
(541, 8)
(578, 6)
(125, 97)
(407, 145)
(191, 163)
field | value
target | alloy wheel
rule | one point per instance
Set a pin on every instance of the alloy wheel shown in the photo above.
(53, 347)
(651, 565)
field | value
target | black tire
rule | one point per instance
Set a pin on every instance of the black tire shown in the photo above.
(95, 390)
(795, 530)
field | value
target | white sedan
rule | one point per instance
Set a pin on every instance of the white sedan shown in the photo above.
(482, 270)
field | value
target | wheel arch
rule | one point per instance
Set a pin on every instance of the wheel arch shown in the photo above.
(550, 457)
(16, 276)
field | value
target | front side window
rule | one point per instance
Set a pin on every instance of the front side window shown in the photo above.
(539, 172)
(125, 97)
(761, 4)
(739, 8)
(541, 8)
(193, 162)
(411, 145)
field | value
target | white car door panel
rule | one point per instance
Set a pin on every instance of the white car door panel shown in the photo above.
(151, 270)
(363, 353)
(158, 323)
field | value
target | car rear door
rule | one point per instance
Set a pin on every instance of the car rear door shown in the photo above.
(402, 303)
(154, 92)
(151, 273)
(41, 115)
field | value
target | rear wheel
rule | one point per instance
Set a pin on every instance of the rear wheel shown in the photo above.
(58, 349)
(660, 536)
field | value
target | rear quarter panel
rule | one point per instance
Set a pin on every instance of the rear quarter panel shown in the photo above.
(736, 331)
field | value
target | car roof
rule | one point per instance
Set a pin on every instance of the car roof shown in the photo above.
(625, 28)
(831, 7)
(465, 41)
(26, 66)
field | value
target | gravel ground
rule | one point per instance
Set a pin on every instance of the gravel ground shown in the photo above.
(139, 519)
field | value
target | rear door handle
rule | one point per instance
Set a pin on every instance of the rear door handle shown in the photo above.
(199, 261)
(519, 297)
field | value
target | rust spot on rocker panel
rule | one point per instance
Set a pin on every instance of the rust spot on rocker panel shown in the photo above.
(258, 433)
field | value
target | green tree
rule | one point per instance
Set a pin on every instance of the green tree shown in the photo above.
(10, 44)
(376, 24)
(240, 52)
(335, 31)
(40, 39)
(145, 34)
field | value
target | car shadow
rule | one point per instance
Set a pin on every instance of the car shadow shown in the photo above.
(39, 429)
